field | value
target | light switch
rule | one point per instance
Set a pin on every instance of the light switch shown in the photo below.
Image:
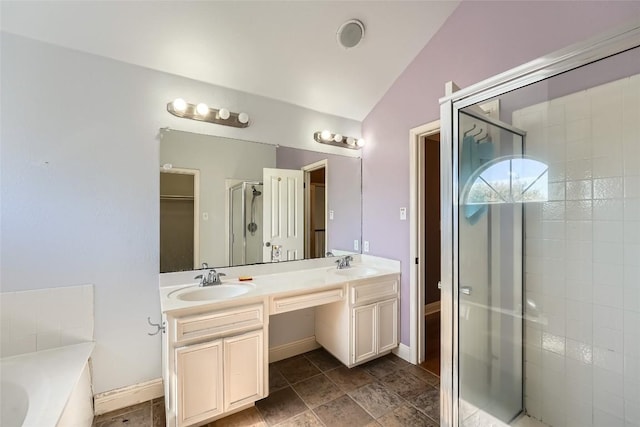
(365, 246)
(205, 216)
(356, 245)
(331, 215)
(403, 214)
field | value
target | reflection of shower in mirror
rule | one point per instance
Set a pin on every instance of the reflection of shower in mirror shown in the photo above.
(245, 221)
(253, 227)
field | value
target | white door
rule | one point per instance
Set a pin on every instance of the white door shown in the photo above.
(243, 369)
(199, 374)
(283, 215)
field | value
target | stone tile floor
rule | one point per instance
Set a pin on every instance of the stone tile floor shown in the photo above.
(314, 389)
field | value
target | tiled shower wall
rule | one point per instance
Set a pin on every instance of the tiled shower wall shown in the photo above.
(582, 262)
(45, 318)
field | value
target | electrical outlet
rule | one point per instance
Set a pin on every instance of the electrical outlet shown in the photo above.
(331, 215)
(365, 246)
(403, 214)
(356, 245)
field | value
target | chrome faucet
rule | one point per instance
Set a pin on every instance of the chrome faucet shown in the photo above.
(212, 277)
(344, 262)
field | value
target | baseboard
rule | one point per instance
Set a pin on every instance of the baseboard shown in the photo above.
(127, 396)
(292, 349)
(404, 352)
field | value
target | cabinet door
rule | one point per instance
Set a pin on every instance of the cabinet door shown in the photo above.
(387, 325)
(199, 382)
(363, 333)
(243, 369)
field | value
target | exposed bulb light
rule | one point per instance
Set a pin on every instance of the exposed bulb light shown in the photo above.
(180, 105)
(202, 113)
(360, 142)
(336, 139)
(202, 109)
(223, 113)
(243, 118)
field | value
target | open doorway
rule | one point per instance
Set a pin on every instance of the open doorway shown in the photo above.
(179, 225)
(430, 213)
(315, 199)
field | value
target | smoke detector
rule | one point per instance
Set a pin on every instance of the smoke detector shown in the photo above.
(350, 34)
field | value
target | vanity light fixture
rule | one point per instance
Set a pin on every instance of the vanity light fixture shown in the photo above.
(203, 113)
(330, 138)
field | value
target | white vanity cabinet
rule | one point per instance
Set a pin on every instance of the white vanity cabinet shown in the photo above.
(214, 363)
(365, 325)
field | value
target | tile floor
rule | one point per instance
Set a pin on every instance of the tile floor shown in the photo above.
(314, 389)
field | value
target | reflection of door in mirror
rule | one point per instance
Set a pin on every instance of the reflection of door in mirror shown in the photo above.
(283, 215)
(179, 241)
(315, 196)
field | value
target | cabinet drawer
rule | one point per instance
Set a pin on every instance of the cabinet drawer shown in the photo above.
(296, 302)
(219, 323)
(374, 290)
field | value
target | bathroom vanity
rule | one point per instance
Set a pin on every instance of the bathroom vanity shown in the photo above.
(216, 341)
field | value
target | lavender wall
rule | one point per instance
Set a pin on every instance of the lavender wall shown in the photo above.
(480, 39)
(344, 187)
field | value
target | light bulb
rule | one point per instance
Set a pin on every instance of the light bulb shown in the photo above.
(202, 109)
(351, 141)
(337, 137)
(325, 135)
(360, 142)
(243, 118)
(179, 105)
(223, 113)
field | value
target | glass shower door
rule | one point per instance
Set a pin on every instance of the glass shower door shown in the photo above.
(494, 179)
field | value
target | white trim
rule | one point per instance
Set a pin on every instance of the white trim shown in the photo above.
(416, 249)
(291, 349)
(127, 396)
(403, 352)
(196, 209)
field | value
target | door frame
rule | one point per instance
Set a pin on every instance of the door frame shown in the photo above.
(416, 240)
(196, 208)
(307, 169)
(614, 41)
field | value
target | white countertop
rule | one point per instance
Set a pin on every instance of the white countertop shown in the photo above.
(293, 277)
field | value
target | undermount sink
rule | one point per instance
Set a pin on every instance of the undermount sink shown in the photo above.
(355, 271)
(214, 292)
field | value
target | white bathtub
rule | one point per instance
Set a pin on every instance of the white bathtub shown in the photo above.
(47, 388)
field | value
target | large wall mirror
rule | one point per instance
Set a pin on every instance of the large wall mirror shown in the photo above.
(227, 202)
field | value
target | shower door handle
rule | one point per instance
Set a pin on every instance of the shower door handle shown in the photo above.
(465, 290)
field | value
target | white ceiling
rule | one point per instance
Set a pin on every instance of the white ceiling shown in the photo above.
(285, 50)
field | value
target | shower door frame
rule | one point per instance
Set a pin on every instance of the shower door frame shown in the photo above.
(612, 42)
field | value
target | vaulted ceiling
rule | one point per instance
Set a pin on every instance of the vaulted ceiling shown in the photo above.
(286, 50)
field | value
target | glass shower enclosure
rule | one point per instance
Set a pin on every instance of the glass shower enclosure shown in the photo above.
(541, 241)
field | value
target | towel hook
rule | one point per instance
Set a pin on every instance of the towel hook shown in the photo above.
(467, 132)
(157, 325)
(476, 134)
(483, 138)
